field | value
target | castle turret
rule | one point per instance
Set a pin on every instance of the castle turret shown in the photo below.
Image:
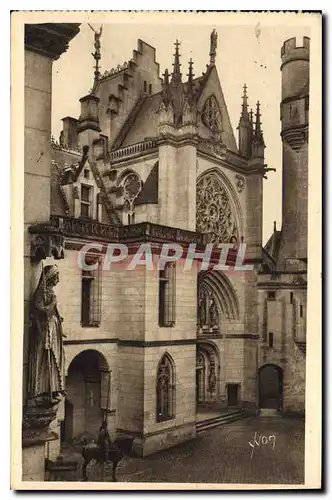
(294, 133)
(245, 127)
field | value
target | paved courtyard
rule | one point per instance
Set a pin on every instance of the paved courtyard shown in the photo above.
(224, 455)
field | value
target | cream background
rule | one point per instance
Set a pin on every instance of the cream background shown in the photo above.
(163, 29)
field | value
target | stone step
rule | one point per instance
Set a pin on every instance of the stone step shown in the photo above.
(219, 420)
(268, 412)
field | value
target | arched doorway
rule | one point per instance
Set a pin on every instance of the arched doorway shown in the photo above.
(207, 374)
(88, 387)
(270, 387)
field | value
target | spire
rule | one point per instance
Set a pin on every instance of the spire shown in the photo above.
(190, 76)
(258, 124)
(166, 89)
(245, 102)
(213, 47)
(176, 75)
(251, 117)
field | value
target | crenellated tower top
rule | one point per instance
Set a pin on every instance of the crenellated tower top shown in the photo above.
(292, 52)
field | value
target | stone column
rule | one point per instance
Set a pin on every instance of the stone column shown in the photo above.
(43, 44)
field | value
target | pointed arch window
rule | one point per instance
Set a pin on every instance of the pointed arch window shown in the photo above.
(211, 116)
(167, 295)
(165, 390)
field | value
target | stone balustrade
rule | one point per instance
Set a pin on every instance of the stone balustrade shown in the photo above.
(133, 149)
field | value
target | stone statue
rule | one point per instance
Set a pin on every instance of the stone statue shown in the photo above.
(46, 352)
(213, 46)
(97, 56)
(213, 314)
(201, 311)
(97, 39)
(212, 380)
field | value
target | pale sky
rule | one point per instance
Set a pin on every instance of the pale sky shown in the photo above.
(239, 58)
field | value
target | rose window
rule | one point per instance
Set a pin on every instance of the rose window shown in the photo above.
(214, 213)
(132, 186)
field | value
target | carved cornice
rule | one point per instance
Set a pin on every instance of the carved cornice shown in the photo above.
(296, 137)
(213, 147)
(89, 229)
(50, 39)
(46, 241)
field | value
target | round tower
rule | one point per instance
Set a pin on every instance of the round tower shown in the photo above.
(294, 132)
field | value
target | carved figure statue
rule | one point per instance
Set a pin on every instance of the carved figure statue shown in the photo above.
(202, 310)
(97, 37)
(46, 353)
(212, 380)
(213, 46)
(213, 313)
(214, 41)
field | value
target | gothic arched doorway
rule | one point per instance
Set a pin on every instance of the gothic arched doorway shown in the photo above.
(270, 387)
(207, 374)
(88, 386)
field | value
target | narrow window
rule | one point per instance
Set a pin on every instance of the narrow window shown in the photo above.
(91, 299)
(86, 173)
(270, 340)
(301, 311)
(271, 295)
(291, 297)
(150, 88)
(167, 295)
(98, 207)
(265, 337)
(144, 85)
(165, 390)
(85, 201)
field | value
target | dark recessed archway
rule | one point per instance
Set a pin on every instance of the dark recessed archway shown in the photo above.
(270, 379)
(88, 387)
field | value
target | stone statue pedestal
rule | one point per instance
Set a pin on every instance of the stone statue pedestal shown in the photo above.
(38, 414)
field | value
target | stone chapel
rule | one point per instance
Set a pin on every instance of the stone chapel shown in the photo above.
(153, 158)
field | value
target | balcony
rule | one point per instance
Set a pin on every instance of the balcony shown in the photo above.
(133, 150)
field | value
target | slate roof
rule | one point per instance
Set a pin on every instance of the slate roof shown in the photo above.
(149, 193)
(273, 244)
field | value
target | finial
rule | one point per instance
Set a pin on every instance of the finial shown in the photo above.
(96, 55)
(274, 226)
(190, 75)
(176, 75)
(245, 101)
(166, 88)
(258, 130)
(166, 77)
(213, 47)
(251, 115)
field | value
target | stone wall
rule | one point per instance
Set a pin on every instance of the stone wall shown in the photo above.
(281, 316)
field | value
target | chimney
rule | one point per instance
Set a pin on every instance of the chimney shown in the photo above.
(88, 123)
(69, 132)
